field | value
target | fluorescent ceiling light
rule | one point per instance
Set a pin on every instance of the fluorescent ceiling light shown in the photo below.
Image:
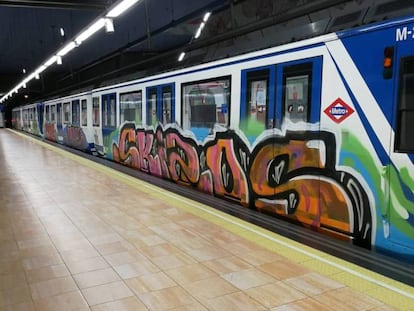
(206, 17)
(41, 69)
(121, 8)
(181, 57)
(51, 61)
(24, 70)
(69, 47)
(59, 60)
(100, 23)
(62, 31)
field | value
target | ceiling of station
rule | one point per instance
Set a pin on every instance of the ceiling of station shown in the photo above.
(149, 37)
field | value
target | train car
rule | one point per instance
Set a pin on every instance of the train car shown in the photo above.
(316, 131)
(29, 118)
(68, 121)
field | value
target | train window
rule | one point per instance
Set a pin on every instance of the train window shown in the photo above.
(131, 107)
(66, 112)
(152, 107)
(297, 91)
(112, 112)
(84, 108)
(53, 113)
(108, 111)
(206, 103)
(75, 112)
(95, 111)
(46, 113)
(257, 99)
(405, 115)
(166, 104)
(59, 113)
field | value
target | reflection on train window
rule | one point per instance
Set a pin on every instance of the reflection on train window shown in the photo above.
(84, 108)
(47, 111)
(53, 113)
(152, 107)
(75, 112)
(112, 112)
(206, 103)
(257, 99)
(166, 105)
(405, 122)
(131, 107)
(296, 92)
(59, 113)
(95, 111)
(66, 112)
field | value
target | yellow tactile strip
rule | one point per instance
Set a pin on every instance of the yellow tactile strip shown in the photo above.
(387, 290)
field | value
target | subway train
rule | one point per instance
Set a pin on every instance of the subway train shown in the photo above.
(317, 132)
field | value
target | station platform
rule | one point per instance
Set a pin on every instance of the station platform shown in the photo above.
(77, 235)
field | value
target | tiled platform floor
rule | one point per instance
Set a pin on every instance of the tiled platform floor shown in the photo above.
(75, 238)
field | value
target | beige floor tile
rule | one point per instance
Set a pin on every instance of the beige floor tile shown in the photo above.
(283, 269)
(237, 301)
(260, 257)
(114, 247)
(106, 293)
(96, 277)
(347, 299)
(46, 273)
(150, 282)
(313, 283)
(52, 287)
(41, 261)
(135, 269)
(175, 260)
(190, 307)
(164, 249)
(118, 259)
(65, 302)
(9, 281)
(307, 304)
(126, 304)
(275, 294)
(190, 273)
(227, 264)
(11, 267)
(208, 253)
(14, 296)
(79, 254)
(246, 279)
(209, 288)
(23, 306)
(167, 298)
(89, 264)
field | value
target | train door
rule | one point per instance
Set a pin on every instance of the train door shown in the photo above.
(161, 104)
(108, 109)
(97, 127)
(284, 100)
(401, 202)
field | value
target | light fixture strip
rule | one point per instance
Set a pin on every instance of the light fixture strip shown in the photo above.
(100, 23)
(121, 7)
(69, 47)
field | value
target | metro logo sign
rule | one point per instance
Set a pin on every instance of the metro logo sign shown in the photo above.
(338, 111)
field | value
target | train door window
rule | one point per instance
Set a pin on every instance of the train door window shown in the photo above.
(160, 104)
(66, 112)
(405, 114)
(297, 82)
(75, 112)
(59, 113)
(84, 112)
(166, 105)
(47, 111)
(108, 111)
(131, 107)
(206, 103)
(152, 107)
(95, 111)
(53, 113)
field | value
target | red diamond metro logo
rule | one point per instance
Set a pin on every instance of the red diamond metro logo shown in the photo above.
(338, 111)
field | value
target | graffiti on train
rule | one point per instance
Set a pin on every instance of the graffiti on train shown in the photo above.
(75, 137)
(291, 175)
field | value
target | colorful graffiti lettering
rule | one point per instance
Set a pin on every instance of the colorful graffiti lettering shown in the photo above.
(293, 175)
(75, 137)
